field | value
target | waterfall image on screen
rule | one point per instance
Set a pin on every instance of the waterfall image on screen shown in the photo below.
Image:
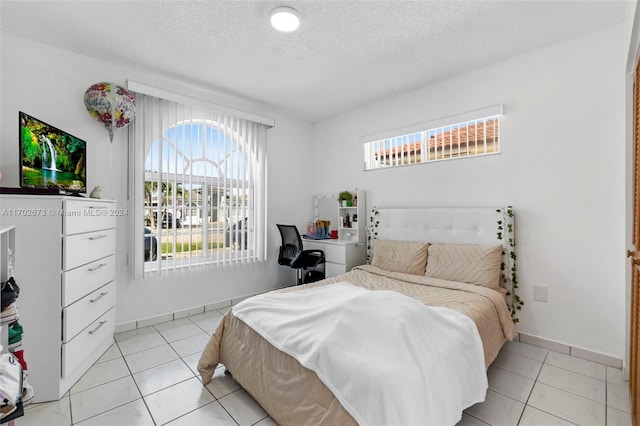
(50, 158)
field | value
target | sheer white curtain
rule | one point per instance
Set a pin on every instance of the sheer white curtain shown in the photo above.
(199, 187)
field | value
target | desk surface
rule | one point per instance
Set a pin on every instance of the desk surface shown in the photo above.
(333, 242)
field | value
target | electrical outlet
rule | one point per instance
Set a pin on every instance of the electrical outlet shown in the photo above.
(541, 293)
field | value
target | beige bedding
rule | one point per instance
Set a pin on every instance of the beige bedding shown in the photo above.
(294, 395)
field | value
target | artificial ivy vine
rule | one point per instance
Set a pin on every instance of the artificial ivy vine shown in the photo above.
(509, 270)
(372, 233)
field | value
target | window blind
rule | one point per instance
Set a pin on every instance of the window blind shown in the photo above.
(200, 187)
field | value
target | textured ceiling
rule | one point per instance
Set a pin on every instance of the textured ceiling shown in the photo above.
(345, 55)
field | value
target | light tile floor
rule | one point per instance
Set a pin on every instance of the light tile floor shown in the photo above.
(149, 377)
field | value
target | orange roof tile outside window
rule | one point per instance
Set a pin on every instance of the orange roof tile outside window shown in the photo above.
(471, 138)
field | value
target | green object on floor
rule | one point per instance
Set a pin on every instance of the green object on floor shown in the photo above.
(15, 332)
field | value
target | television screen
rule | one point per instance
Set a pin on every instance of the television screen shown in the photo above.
(51, 158)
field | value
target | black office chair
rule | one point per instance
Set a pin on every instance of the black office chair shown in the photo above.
(292, 254)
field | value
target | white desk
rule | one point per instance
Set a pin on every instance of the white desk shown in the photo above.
(340, 255)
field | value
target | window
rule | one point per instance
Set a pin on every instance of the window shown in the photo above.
(467, 138)
(200, 186)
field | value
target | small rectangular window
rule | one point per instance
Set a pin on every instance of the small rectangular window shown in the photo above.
(468, 138)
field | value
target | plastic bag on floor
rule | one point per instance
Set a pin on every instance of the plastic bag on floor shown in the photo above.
(10, 379)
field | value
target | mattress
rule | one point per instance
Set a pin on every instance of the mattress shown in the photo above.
(294, 395)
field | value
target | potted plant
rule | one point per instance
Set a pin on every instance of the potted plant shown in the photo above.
(345, 198)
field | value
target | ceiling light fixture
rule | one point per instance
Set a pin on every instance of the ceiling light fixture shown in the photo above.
(285, 19)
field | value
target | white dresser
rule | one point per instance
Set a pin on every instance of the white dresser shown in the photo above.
(340, 256)
(67, 272)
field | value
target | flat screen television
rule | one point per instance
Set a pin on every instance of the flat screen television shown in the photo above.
(51, 158)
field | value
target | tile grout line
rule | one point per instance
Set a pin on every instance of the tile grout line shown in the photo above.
(136, 384)
(216, 399)
(198, 378)
(562, 390)
(526, 403)
(195, 375)
(557, 366)
(110, 381)
(70, 410)
(131, 373)
(182, 381)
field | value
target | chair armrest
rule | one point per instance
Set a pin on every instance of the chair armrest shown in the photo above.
(314, 251)
(302, 260)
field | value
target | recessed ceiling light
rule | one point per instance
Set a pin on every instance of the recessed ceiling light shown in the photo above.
(285, 19)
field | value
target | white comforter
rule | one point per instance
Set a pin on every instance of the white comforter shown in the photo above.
(388, 359)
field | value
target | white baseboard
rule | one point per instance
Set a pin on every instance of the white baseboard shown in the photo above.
(571, 350)
(145, 322)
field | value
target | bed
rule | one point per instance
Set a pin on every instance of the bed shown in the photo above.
(273, 343)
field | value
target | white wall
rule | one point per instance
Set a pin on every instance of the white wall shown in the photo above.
(49, 83)
(562, 167)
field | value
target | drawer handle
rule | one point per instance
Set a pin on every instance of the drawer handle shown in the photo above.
(99, 325)
(98, 237)
(102, 265)
(103, 294)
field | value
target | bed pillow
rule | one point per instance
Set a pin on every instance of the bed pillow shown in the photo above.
(409, 257)
(467, 263)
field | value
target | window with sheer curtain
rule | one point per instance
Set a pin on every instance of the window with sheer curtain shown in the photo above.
(200, 186)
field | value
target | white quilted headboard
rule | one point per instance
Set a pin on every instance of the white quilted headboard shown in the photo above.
(441, 225)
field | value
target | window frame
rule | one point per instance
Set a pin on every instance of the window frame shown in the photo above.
(420, 143)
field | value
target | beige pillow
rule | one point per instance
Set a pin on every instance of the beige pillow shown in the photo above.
(467, 263)
(409, 257)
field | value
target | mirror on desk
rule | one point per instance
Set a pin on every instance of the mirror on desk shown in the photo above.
(325, 207)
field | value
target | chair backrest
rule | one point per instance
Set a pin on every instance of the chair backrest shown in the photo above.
(291, 247)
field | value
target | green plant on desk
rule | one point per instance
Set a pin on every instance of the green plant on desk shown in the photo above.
(345, 196)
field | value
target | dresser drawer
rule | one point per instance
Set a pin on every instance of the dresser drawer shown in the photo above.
(85, 343)
(83, 312)
(87, 215)
(332, 252)
(86, 278)
(85, 248)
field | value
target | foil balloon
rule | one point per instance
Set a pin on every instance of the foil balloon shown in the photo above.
(111, 105)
